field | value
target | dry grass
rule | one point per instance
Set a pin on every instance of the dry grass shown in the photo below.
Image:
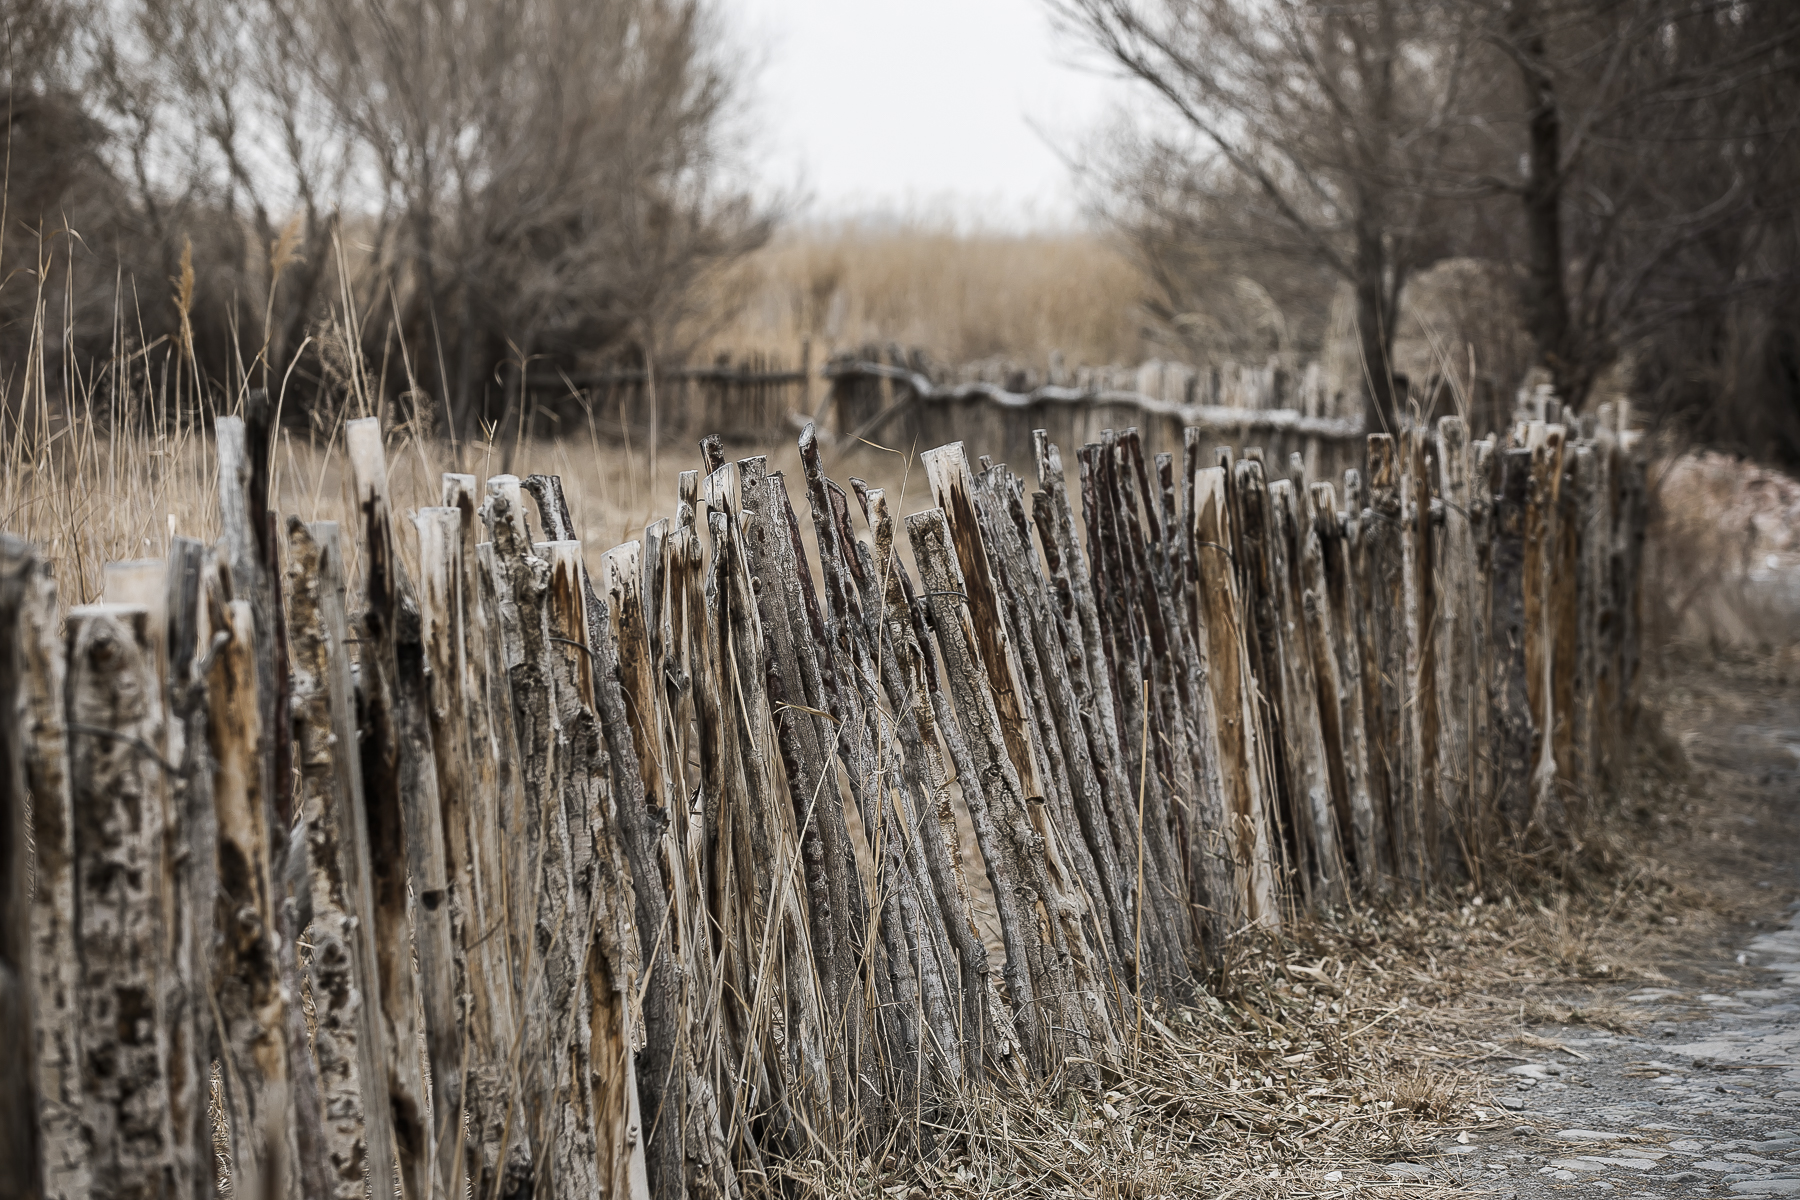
(960, 294)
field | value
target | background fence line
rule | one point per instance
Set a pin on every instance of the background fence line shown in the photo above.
(645, 878)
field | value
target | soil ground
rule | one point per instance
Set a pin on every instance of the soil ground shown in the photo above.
(1666, 1060)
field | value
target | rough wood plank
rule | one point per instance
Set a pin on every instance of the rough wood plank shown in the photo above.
(1509, 637)
(252, 1002)
(1419, 615)
(55, 971)
(405, 830)
(250, 548)
(1383, 551)
(120, 798)
(1456, 647)
(476, 816)
(31, 1133)
(347, 1044)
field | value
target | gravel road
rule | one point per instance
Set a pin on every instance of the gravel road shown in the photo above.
(1702, 1096)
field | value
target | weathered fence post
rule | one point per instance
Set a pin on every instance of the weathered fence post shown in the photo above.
(119, 775)
(1455, 648)
(348, 1043)
(1232, 679)
(404, 830)
(1509, 647)
(27, 1123)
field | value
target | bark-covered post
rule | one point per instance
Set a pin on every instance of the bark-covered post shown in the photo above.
(26, 1124)
(1482, 482)
(1193, 811)
(55, 964)
(1562, 612)
(1254, 530)
(1310, 758)
(1634, 497)
(953, 490)
(405, 831)
(1512, 730)
(119, 776)
(1150, 765)
(252, 1003)
(1233, 682)
(1383, 550)
(1542, 558)
(775, 1021)
(1455, 646)
(1076, 804)
(1339, 671)
(597, 1143)
(1150, 936)
(348, 1042)
(544, 872)
(1584, 482)
(476, 815)
(917, 686)
(250, 553)
(1419, 615)
(1359, 520)
(679, 1099)
(1052, 1015)
(807, 744)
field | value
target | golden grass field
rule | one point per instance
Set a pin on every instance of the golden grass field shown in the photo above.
(919, 281)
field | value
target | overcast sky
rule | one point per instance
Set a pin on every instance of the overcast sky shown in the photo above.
(920, 105)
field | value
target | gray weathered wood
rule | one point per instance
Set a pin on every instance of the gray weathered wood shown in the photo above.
(348, 1041)
(55, 966)
(1233, 682)
(405, 831)
(27, 1126)
(120, 797)
(1512, 729)
(1456, 648)
(1056, 1017)
(252, 1003)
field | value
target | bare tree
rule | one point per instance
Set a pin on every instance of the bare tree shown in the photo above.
(1315, 124)
(1649, 137)
(494, 182)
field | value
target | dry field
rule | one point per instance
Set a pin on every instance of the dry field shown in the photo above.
(962, 295)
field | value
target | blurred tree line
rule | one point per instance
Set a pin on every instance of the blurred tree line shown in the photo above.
(431, 192)
(1623, 174)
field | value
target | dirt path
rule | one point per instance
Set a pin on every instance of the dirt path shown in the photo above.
(1691, 1087)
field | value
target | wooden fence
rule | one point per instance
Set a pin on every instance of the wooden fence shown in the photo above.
(743, 401)
(642, 876)
(899, 404)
